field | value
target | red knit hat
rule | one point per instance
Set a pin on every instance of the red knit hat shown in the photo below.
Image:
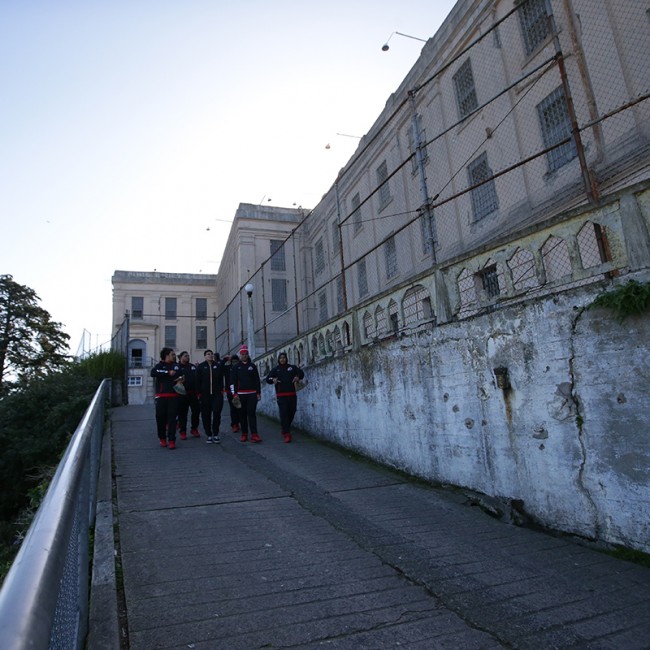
(243, 350)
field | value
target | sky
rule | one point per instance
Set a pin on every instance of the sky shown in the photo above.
(130, 130)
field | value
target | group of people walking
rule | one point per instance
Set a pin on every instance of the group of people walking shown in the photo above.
(185, 390)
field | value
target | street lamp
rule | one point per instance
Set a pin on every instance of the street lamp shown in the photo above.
(250, 324)
(385, 47)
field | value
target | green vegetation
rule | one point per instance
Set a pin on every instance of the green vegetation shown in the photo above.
(32, 345)
(629, 299)
(104, 365)
(37, 420)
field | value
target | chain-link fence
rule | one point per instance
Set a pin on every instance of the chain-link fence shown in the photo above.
(511, 118)
(120, 343)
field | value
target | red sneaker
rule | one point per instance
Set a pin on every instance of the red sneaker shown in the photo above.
(235, 428)
(244, 437)
(163, 443)
(171, 445)
(287, 437)
(183, 435)
(255, 438)
(195, 433)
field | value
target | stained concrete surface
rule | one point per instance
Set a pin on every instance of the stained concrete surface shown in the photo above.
(302, 545)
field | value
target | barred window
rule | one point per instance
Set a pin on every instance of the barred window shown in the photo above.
(413, 305)
(391, 257)
(201, 337)
(465, 89)
(484, 196)
(336, 241)
(134, 381)
(534, 23)
(383, 185)
(322, 306)
(393, 317)
(368, 329)
(278, 294)
(170, 336)
(355, 205)
(555, 123)
(319, 256)
(490, 280)
(340, 302)
(278, 262)
(137, 307)
(362, 278)
(170, 309)
(201, 308)
(380, 320)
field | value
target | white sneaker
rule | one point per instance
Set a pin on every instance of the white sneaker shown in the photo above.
(216, 440)
(209, 440)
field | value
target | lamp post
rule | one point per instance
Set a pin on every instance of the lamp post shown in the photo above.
(385, 47)
(250, 322)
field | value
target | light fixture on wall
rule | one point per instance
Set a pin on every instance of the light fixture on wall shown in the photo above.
(385, 47)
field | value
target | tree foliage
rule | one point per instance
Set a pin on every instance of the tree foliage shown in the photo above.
(37, 420)
(31, 343)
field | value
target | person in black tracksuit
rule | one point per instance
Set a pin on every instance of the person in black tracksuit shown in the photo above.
(211, 385)
(166, 374)
(284, 377)
(245, 383)
(189, 401)
(230, 361)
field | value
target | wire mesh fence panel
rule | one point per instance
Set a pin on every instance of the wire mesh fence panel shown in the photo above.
(517, 116)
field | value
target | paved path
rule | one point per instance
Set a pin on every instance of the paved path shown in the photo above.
(240, 546)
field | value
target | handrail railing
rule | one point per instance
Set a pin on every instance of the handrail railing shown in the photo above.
(44, 598)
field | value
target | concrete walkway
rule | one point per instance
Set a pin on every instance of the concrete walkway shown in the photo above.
(241, 546)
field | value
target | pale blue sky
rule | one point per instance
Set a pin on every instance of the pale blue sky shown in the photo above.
(119, 118)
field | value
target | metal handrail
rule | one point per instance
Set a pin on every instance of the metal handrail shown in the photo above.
(44, 598)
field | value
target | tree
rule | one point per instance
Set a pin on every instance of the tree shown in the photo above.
(31, 343)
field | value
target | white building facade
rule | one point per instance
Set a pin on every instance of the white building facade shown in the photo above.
(176, 310)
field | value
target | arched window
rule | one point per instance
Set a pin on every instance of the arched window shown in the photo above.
(466, 290)
(393, 317)
(522, 268)
(591, 244)
(380, 321)
(368, 326)
(413, 305)
(557, 263)
(137, 353)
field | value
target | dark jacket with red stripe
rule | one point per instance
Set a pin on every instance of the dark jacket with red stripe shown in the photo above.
(164, 382)
(244, 379)
(285, 374)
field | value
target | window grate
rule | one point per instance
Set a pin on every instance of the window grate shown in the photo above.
(465, 89)
(555, 123)
(484, 195)
(534, 24)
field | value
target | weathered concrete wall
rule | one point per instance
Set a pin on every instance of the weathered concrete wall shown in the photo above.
(567, 433)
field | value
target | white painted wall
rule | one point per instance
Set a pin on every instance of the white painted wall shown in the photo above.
(570, 439)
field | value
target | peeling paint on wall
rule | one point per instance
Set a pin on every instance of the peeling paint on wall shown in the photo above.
(562, 426)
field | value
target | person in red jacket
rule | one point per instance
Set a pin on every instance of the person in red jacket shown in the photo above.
(245, 384)
(285, 377)
(166, 373)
